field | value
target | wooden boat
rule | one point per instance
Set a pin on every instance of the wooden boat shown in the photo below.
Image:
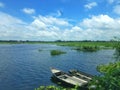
(67, 78)
(81, 75)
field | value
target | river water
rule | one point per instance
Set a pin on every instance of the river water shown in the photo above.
(24, 67)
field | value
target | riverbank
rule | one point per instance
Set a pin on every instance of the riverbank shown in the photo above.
(86, 46)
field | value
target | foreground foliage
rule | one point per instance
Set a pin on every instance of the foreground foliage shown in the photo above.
(55, 88)
(110, 79)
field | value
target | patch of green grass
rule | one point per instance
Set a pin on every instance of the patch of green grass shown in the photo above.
(51, 87)
(101, 44)
(87, 48)
(56, 52)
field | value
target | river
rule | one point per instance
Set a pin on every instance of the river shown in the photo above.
(24, 67)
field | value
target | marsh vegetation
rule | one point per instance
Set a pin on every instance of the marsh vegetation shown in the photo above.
(87, 48)
(56, 52)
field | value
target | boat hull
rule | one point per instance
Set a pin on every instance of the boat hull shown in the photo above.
(67, 79)
(61, 82)
(80, 74)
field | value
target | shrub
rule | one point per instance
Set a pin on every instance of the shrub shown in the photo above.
(87, 48)
(56, 52)
(110, 80)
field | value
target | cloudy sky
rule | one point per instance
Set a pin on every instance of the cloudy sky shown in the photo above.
(59, 19)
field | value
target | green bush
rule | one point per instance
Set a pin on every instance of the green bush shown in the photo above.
(110, 80)
(56, 52)
(87, 48)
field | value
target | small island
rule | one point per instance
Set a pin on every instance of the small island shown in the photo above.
(56, 52)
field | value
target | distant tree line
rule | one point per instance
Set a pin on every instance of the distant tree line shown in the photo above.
(23, 41)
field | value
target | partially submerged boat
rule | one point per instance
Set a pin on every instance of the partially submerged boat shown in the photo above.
(80, 74)
(67, 78)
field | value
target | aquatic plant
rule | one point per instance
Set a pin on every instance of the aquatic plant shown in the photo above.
(87, 48)
(56, 52)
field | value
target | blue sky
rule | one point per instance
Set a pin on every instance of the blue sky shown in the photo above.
(59, 19)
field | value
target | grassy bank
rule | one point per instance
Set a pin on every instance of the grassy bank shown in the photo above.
(87, 46)
(101, 44)
(66, 43)
(90, 46)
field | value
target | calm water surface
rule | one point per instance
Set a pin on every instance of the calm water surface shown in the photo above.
(23, 67)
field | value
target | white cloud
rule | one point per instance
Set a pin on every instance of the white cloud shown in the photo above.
(11, 27)
(38, 24)
(117, 9)
(101, 22)
(2, 5)
(90, 5)
(28, 10)
(47, 21)
(9, 20)
(101, 27)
